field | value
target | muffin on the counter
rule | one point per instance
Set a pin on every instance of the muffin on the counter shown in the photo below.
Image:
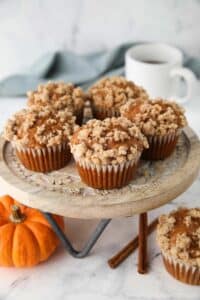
(107, 152)
(60, 95)
(178, 235)
(160, 121)
(110, 93)
(40, 137)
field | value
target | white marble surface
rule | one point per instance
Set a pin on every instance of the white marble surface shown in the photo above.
(63, 277)
(30, 28)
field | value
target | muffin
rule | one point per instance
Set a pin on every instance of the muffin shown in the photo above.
(109, 94)
(40, 137)
(107, 152)
(160, 121)
(60, 95)
(178, 235)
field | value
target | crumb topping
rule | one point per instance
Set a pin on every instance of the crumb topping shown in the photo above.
(112, 92)
(178, 235)
(59, 95)
(155, 117)
(111, 141)
(39, 128)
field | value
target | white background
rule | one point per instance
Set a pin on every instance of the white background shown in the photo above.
(29, 28)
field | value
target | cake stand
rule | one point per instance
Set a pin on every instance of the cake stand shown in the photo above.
(62, 192)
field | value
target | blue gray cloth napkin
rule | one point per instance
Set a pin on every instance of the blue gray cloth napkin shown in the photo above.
(81, 70)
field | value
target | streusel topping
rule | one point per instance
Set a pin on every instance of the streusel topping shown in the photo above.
(178, 235)
(38, 128)
(155, 117)
(112, 92)
(111, 141)
(59, 95)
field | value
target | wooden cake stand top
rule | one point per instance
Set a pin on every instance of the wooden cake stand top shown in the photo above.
(63, 193)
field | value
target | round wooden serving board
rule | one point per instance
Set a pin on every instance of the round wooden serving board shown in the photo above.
(63, 193)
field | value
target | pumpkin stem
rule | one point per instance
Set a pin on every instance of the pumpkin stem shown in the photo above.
(16, 215)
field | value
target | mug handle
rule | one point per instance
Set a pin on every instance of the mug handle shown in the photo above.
(190, 80)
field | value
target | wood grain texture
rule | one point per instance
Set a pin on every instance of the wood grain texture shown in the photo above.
(169, 179)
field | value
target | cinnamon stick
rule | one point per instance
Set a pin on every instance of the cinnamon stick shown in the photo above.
(118, 258)
(142, 246)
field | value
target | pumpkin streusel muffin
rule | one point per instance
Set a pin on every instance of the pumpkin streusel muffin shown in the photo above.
(110, 93)
(178, 235)
(40, 137)
(107, 152)
(160, 121)
(60, 95)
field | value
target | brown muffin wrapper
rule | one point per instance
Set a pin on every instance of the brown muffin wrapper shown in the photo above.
(160, 147)
(44, 159)
(181, 271)
(107, 177)
(103, 113)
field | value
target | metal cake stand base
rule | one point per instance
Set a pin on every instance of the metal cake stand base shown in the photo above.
(142, 239)
(67, 244)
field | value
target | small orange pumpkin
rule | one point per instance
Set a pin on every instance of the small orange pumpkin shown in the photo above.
(26, 238)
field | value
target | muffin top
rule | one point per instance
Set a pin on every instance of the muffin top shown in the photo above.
(111, 141)
(57, 94)
(112, 92)
(178, 235)
(155, 117)
(38, 128)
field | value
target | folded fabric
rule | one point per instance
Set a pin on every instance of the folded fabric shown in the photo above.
(82, 70)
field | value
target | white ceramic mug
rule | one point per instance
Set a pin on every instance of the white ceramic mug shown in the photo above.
(155, 66)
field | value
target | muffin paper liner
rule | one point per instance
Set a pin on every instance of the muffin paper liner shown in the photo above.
(181, 271)
(44, 159)
(160, 147)
(107, 176)
(103, 113)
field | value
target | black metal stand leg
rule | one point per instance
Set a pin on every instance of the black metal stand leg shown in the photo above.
(65, 241)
